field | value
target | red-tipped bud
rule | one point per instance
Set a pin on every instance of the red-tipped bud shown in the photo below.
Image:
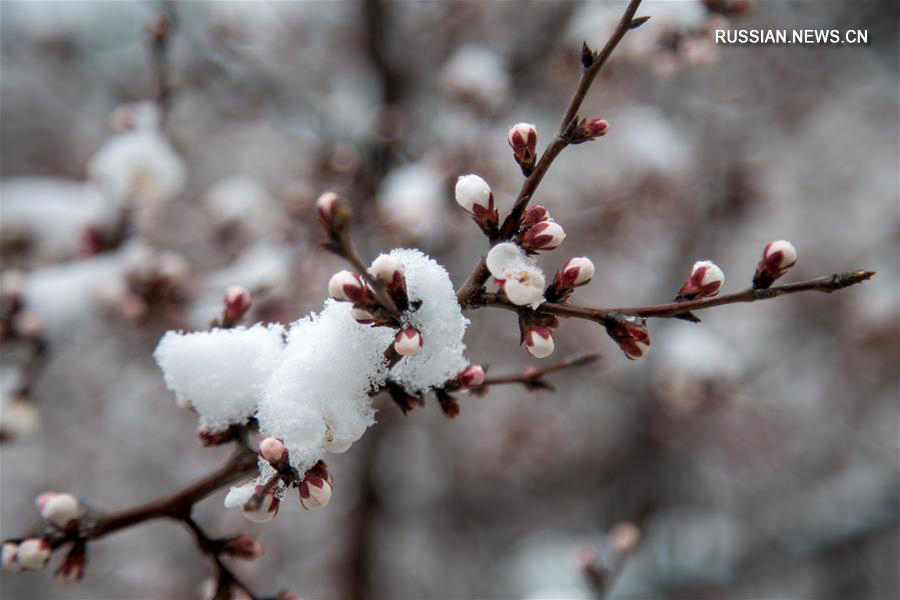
(389, 270)
(346, 286)
(208, 437)
(72, 568)
(534, 215)
(631, 334)
(33, 554)
(273, 450)
(60, 510)
(778, 257)
(262, 511)
(315, 492)
(546, 235)
(333, 212)
(624, 537)
(539, 341)
(237, 303)
(363, 317)
(522, 139)
(472, 376)
(577, 271)
(10, 552)
(408, 342)
(245, 547)
(706, 280)
(475, 196)
(589, 129)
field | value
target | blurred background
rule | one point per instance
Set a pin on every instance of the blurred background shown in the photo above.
(757, 452)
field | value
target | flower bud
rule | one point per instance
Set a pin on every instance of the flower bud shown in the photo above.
(589, 129)
(522, 139)
(706, 280)
(778, 257)
(333, 212)
(10, 550)
(60, 510)
(408, 342)
(472, 376)
(631, 334)
(474, 194)
(237, 303)
(244, 546)
(546, 235)
(33, 554)
(273, 450)
(208, 437)
(346, 286)
(624, 537)
(534, 215)
(263, 511)
(539, 341)
(315, 492)
(578, 271)
(72, 568)
(363, 317)
(389, 270)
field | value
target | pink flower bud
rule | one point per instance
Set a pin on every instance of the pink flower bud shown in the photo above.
(631, 334)
(333, 212)
(472, 376)
(539, 341)
(778, 257)
(408, 342)
(346, 286)
(265, 510)
(546, 235)
(273, 450)
(474, 194)
(363, 317)
(386, 268)
(61, 510)
(72, 568)
(10, 550)
(534, 215)
(522, 139)
(624, 537)
(706, 280)
(237, 303)
(244, 546)
(42, 500)
(315, 492)
(33, 554)
(578, 271)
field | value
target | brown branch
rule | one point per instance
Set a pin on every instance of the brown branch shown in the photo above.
(213, 549)
(534, 378)
(827, 284)
(474, 284)
(341, 244)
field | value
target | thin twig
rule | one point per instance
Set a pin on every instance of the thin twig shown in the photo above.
(474, 284)
(341, 244)
(827, 284)
(530, 377)
(213, 549)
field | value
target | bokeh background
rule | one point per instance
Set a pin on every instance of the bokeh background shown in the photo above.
(757, 452)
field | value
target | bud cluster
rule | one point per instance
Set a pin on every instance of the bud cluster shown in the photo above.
(778, 257)
(630, 333)
(522, 139)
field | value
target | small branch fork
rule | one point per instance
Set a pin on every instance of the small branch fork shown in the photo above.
(213, 549)
(474, 284)
(827, 284)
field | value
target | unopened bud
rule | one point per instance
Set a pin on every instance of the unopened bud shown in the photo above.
(273, 450)
(315, 492)
(389, 270)
(631, 334)
(33, 554)
(61, 510)
(9, 553)
(522, 139)
(534, 215)
(408, 342)
(363, 317)
(472, 376)
(262, 511)
(346, 286)
(539, 341)
(589, 129)
(778, 257)
(208, 437)
(72, 568)
(706, 280)
(474, 194)
(333, 212)
(244, 546)
(578, 271)
(545, 235)
(237, 303)
(624, 537)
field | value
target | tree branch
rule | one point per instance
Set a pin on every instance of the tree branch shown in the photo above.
(474, 284)
(213, 549)
(826, 284)
(533, 378)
